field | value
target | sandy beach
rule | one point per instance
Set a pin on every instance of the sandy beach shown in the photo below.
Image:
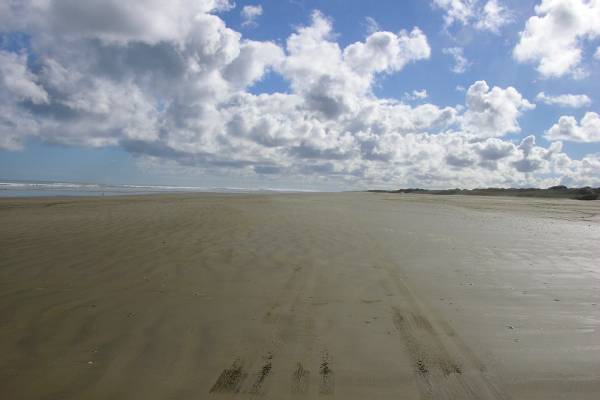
(277, 296)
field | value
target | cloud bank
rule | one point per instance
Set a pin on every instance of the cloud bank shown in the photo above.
(170, 83)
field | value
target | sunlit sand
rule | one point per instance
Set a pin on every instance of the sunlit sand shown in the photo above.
(276, 296)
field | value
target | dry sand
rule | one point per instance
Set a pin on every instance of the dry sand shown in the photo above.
(347, 296)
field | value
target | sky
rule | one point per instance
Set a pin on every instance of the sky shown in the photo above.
(316, 94)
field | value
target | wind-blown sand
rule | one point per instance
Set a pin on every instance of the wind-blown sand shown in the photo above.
(347, 296)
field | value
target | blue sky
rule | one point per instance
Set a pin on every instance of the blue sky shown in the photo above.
(68, 117)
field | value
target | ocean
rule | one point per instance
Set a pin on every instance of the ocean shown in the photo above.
(10, 188)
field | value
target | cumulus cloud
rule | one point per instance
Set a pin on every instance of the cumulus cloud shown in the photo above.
(493, 112)
(554, 37)
(568, 129)
(491, 16)
(387, 52)
(251, 63)
(250, 13)
(460, 61)
(174, 89)
(534, 158)
(565, 100)
(332, 79)
(494, 149)
(584, 172)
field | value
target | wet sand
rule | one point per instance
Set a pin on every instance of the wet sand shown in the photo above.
(299, 296)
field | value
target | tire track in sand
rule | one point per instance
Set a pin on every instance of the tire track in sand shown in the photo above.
(290, 318)
(444, 367)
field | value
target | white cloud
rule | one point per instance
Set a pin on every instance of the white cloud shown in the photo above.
(179, 94)
(387, 52)
(115, 21)
(460, 61)
(371, 25)
(490, 17)
(15, 125)
(554, 37)
(493, 112)
(494, 149)
(565, 100)
(597, 54)
(494, 16)
(253, 60)
(250, 13)
(18, 80)
(416, 95)
(568, 129)
(584, 172)
(333, 79)
(534, 158)
(456, 10)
